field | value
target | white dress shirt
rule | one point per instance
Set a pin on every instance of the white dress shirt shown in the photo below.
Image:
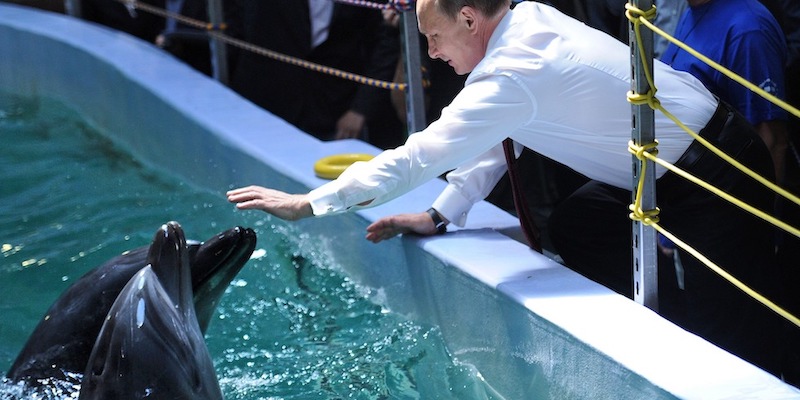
(550, 83)
(320, 12)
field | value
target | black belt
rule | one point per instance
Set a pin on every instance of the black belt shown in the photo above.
(722, 117)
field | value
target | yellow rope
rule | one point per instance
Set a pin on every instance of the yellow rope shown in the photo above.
(649, 98)
(731, 199)
(169, 14)
(780, 103)
(766, 182)
(637, 214)
(649, 152)
(214, 30)
(724, 274)
(636, 16)
(307, 64)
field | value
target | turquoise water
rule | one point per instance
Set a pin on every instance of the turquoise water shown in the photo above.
(291, 326)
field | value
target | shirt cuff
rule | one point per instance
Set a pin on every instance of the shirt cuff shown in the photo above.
(324, 200)
(453, 206)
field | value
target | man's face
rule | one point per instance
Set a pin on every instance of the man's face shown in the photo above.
(452, 40)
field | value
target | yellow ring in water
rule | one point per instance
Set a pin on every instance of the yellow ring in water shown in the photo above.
(331, 167)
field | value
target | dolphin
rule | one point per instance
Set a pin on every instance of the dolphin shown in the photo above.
(60, 345)
(150, 344)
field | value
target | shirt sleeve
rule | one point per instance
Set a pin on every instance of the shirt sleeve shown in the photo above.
(468, 133)
(469, 184)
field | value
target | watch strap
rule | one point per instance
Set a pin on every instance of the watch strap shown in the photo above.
(441, 227)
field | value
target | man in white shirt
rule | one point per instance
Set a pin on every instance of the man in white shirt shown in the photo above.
(554, 85)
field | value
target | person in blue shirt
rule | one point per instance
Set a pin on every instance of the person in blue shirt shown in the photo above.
(743, 36)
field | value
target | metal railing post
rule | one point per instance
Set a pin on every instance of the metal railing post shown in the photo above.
(219, 51)
(645, 267)
(415, 97)
(73, 8)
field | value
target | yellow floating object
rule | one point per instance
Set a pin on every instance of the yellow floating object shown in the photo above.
(331, 167)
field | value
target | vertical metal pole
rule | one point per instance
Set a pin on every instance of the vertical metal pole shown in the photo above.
(645, 267)
(219, 53)
(73, 8)
(415, 97)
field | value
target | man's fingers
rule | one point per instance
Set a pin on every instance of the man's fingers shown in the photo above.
(376, 237)
(239, 195)
(248, 204)
(238, 191)
(386, 228)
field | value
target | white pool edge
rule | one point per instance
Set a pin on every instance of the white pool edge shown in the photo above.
(215, 138)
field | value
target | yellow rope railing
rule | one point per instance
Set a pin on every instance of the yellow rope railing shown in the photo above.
(649, 152)
(653, 102)
(216, 32)
(730, 74)
(307, 64)
(172, 15)
(724, 274)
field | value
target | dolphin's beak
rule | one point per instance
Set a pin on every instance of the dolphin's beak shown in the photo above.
(214, 264)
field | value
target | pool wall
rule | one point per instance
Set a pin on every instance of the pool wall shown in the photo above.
(531, 327)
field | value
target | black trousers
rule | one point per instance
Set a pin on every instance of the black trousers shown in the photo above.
(592, 233)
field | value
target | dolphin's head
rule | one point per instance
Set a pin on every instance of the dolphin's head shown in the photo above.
(64, 338)
(214, 264)
(169, 258)
(210, 266)
(149, 346)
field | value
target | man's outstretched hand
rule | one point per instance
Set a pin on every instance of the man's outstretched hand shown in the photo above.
(290, 207)
(391, 226)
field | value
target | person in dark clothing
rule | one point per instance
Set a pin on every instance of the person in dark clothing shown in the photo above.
(188, 43)
(787, 12)
(323, 105)
(113, 14)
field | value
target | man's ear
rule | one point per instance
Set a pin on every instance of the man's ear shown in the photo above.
(468, 16)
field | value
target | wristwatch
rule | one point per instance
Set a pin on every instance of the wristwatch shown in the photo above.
(441, 227)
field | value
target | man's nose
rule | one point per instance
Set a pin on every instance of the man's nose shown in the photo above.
(432, 50)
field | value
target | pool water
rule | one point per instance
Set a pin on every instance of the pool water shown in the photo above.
(291, 325)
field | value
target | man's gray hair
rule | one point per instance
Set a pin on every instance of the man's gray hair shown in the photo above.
(450, 8)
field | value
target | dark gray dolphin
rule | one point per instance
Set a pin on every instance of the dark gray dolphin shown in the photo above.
(150, 344)
(60, 345)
